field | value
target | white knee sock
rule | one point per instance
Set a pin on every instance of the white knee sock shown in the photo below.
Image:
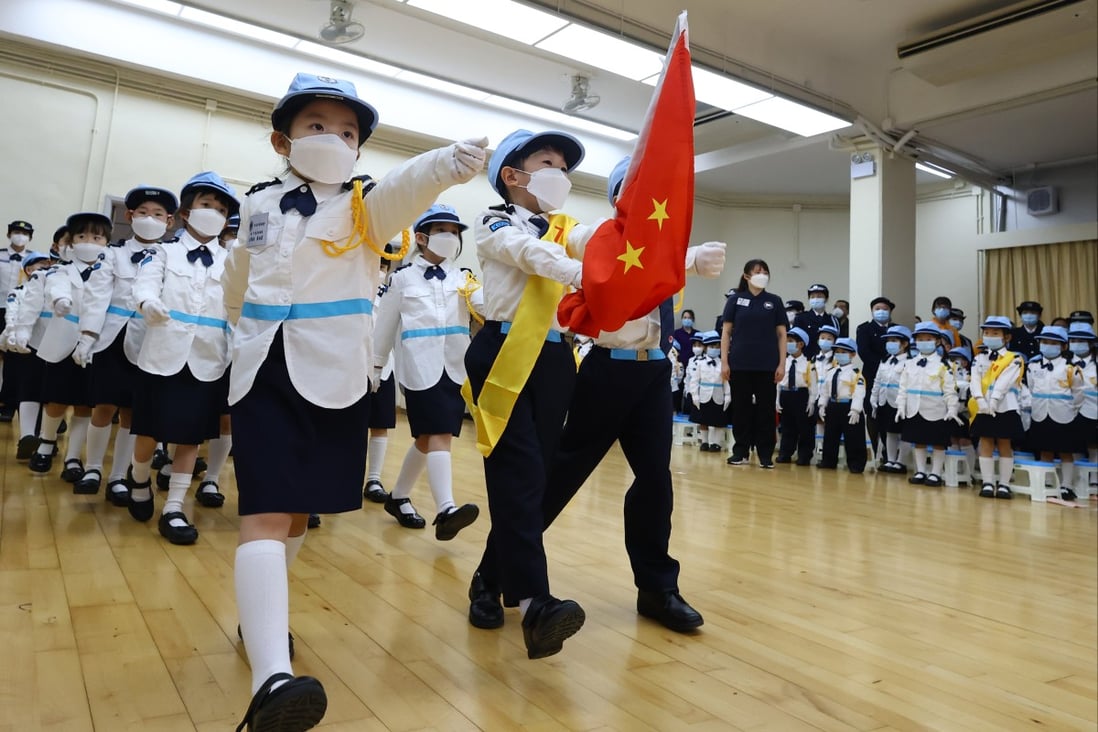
(1006, 469)
(892, 446)
(920, 460)
(414, 462)
(177, 492)
(141, 472)
(293, 546)
(970, 457)
(375, 457)
(263, 603)
(28, 417)
(937, 460)
(123, 453)
(987, 470)
(49, 432)
(78, 437)
(714, 436)
(905, 453)
(98, 437)
(440, 478)
(1067, 474)
(218, 454)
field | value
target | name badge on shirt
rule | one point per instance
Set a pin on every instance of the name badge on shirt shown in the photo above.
(743, 301)
(257, 230)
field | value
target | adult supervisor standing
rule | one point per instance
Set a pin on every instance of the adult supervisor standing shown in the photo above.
(753, 360)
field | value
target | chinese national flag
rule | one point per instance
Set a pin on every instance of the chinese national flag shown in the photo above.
(636, 260)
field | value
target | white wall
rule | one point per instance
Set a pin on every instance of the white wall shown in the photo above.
(1078, 190)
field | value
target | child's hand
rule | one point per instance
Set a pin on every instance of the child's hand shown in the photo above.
(83, 355)
(469, 157)
(62, 306)
(155, 312)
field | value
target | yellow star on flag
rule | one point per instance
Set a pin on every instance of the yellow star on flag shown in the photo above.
(631, 257)
(659, 212)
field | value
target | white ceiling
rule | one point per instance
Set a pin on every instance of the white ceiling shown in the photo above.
(1013, 99)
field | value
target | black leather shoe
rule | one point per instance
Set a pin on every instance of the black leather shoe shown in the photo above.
(89, 483)
(407, 520)
(783, 459)
(314, 521)
(117, 493)
(140, 510)
(548, 623)
(40, 463)
(200, 466)
(485, 609)
(163, 481)
(160, 459)
(182, 535)
(669, 610)
(73, 471)
(7, 415)
(27, 445)
(447, 525)
(63, 427)
(375, 492)
(297, 705)
(290, 639)
(209, 498)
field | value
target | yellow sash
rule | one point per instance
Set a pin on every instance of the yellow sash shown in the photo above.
(521, 348)
(997, 367)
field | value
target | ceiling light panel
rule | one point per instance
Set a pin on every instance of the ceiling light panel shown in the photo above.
(941, 173)
(430, 82)
(792, 116)
(346, 59)
(160, 6)
(718, 90)
(603, 51)
(228, 25)
(559, 118)
(503, 17)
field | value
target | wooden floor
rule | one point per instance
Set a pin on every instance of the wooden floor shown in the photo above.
(831, 601)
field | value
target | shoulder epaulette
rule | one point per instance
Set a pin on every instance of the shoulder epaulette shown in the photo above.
(165, 241)
(466, 269)
(368, 183)
(403, 266)
(260, 186)
(119, 243)
(1035, 359)
(382, 289)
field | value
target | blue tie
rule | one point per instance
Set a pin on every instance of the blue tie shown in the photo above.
(200, 253)
(541, 224)
(301, 198)
(667, 324)
(434, 272)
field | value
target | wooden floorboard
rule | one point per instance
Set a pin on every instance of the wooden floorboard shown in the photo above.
(832, 602)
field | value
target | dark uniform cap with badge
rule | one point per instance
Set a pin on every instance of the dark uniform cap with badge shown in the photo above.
(819, 288)
(141, 194)
(521, 143)
(1081, 316)
(307, 87)
(1030, 306)
(882, 300)
(20, 226)
(795, 305)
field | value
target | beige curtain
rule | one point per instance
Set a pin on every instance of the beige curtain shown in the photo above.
(1062, 277)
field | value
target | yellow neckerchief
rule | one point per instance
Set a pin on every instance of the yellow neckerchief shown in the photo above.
(492, 408)
(997, 367)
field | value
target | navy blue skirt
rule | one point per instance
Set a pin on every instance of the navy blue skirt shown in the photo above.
(65, 383)
(178, 409)
(113, 377)
(920, 431)
(1047, 435)
(710, 414)
(383, 410)
(292, 456)
(886, 419)
(435, 411)
(30, 375)
(1004, 426)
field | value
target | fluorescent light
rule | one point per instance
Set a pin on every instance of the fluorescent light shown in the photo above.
(347, 59)
(446, 87)
(160, 6)
(603, 51)
(559, 118)
(503, 17)
(718, 90)
(228, 25)
(792, 116)
(940, 172)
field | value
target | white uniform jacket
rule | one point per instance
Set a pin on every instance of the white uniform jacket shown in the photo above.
(823, 363)
(62, 332)
(198, 334)
(108, 298)
(30, 317)
(927, 389)
(430, 319)
(887, 384)
(11, 269)
(848, 387)
(1089, 371)
(1003, 394)
(1055, 393)
(690, 373)
(708, 386)
(279, 276)
(509, 248)
(11, 306)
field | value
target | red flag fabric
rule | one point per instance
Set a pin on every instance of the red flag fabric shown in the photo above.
(635, 261)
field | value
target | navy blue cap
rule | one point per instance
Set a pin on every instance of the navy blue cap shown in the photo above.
(794, 305)
(164, 197)
(307, 87)
(882, 300)
(819, 288)
(20, 226)
(438, 213)
(209, 180)
(523, 142)
(617, 177)
(1031, 306)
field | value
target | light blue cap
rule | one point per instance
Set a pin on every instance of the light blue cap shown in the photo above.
(846, 344)
(1056, 333)
(1081, 330)
(697, 336)
(829, 329)
(34, 257)
(799, 334)
(211, 181)
(963, 352)
(898, 331)
(617, 177)
(926, 328)
(997, 321)
(438, 213)
(136, 196)
(307, 87)
(518, 142)
(710, 336)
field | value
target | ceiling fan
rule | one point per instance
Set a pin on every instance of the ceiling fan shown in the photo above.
(340, 28)
(580, 99)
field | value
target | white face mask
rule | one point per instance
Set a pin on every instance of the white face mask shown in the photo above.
(550, 186)
(445, 245)
(838, 313)
(86, 251)
(322, 158)
(206, 221)
(816, 303)
(697, 350)
(760, 280)
(19, 240)
(149, 228)
(713, 352)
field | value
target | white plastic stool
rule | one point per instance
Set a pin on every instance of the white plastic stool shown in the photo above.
(683, 431)
(956, 469)
(1038, 474)
(1086, 475)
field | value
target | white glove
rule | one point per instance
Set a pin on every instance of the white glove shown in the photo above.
(469, 156)
(822, 412)
(873, 411)
(17, 341)
(709, 259)
(778, 408)
(962, 385)
(992, 406)
(901, 410)
(810, 408)
(155, 312)
(958, 419)
(580, 235)
(855, 416)
(83, 353)
(982, 406)
(375, 379)
(62, 306)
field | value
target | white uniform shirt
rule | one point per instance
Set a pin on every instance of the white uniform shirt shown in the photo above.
(279, 277)
(12, 304)
(804, 376)
(108, 298)
(62, 332)
(848, 387)
(1055, 394)
(823, 363)
(430, 318)
(691, 372)
(30, 317)
(708, 386)
(927, 389)
(11, 269)
(197, 336)
(1003, 395)
(887, 384)
(1089, 371)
